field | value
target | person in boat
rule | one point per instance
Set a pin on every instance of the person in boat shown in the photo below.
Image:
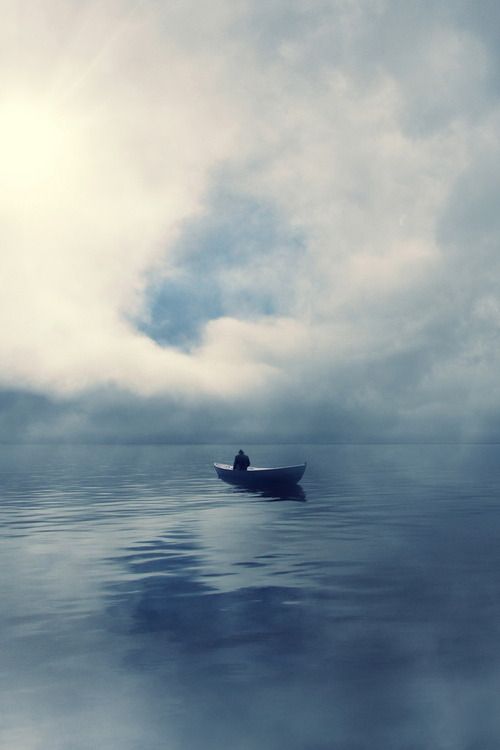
(241, 461)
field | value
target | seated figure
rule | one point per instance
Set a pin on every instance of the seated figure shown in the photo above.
(241, 461)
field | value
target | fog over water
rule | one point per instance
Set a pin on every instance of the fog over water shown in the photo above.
(145, 603)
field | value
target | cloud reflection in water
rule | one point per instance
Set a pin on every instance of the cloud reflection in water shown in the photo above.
(144, 610)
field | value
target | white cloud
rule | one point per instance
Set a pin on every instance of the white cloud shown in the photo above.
(115, 121)
(111, 160)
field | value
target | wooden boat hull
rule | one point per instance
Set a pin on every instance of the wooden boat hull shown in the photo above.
(256, 476)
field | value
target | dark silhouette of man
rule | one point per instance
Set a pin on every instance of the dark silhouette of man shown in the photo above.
(241, 461)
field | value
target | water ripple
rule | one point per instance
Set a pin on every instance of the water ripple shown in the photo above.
(147, 600)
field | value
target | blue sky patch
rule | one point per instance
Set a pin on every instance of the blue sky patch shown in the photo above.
(238, 235)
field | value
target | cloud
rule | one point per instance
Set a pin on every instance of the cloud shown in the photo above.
(137, 126)
(280, 201)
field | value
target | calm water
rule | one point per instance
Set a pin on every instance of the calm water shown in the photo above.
(147, 605)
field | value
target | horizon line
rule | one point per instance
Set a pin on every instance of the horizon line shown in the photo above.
(136, 443)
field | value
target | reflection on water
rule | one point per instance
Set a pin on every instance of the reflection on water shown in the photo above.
(147, 607)
(274, 492)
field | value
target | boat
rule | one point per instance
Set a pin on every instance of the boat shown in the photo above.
(256, 476)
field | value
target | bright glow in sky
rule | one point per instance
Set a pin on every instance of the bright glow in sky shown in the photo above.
(284, 200)
(32, 144)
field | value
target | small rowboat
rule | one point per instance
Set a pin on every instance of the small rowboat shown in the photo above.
(259, 476)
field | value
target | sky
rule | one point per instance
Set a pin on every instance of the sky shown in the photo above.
(246, 221)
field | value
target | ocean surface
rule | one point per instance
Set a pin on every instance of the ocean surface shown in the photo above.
(146, 605)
